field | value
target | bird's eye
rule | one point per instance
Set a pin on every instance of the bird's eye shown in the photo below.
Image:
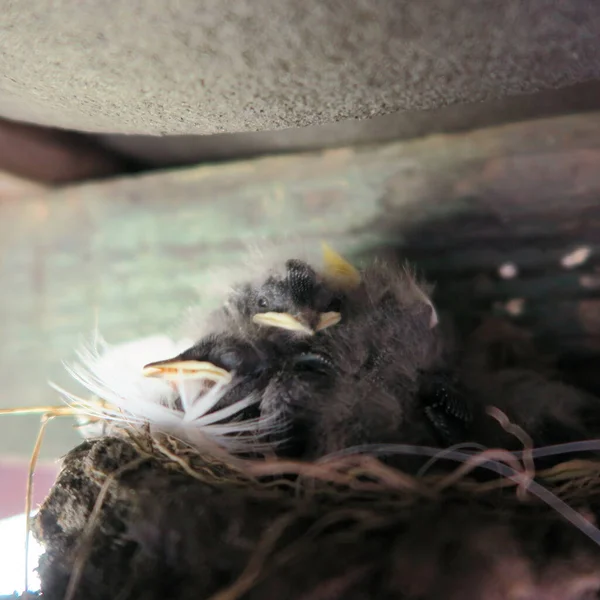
(230, 359)
(262, 302)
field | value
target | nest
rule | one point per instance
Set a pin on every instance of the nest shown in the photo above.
(134, 515)
(137, 516)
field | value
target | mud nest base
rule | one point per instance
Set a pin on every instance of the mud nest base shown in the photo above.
(125, 523)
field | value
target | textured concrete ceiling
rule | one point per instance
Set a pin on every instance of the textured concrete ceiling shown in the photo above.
(217, 66)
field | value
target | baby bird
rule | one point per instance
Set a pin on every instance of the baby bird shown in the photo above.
(374, 377)
(262, 329)
(369, 378)
(308, 362)
(291, 303)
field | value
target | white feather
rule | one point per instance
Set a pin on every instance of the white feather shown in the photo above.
(114, 374)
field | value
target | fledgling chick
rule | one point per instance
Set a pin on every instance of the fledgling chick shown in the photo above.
(375, 376)
(292, 296)
(290, 303)
(264, 327)
(181, 398)
(379, 375)
(251, 362)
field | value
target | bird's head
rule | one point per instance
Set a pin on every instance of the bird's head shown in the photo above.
(296, 298)
(297, 301)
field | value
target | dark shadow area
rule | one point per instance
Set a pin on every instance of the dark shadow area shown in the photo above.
(539, 271)
(57, 157)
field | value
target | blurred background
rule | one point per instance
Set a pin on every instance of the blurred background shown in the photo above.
(144, 144)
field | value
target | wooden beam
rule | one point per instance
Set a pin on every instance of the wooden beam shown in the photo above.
(131, 254)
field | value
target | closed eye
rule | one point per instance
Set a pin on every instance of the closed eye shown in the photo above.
(313, 362)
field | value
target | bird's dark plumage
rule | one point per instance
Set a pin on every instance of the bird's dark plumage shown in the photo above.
(382, 374)
(446, 405)
(356, 382)
(373, 363)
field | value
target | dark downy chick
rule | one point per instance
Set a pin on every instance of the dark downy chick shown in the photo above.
(290, 304)
(276, 316)
(261, 326)
(250, 363)
(374, 377)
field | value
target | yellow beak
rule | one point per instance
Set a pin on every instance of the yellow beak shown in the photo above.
(290, 323)
(282, 321)
(328, 319)
(176, 370)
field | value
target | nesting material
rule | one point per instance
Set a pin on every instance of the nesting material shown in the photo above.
(153, 519)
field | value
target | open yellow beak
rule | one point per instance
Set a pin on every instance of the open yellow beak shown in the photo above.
(282, 321)
(176, 370)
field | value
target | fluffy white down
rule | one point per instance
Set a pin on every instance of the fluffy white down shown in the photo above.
(184, 409)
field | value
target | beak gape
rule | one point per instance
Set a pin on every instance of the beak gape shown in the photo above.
(291, 323)
(177, 370)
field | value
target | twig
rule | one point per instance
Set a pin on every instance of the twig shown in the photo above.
(282, 467)
(29, 490)
(528, 472)
(55, 411)
(445, 451)
(393, 478)
(330, 472)
(475, 460)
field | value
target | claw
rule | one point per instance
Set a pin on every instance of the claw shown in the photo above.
(176, 370)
